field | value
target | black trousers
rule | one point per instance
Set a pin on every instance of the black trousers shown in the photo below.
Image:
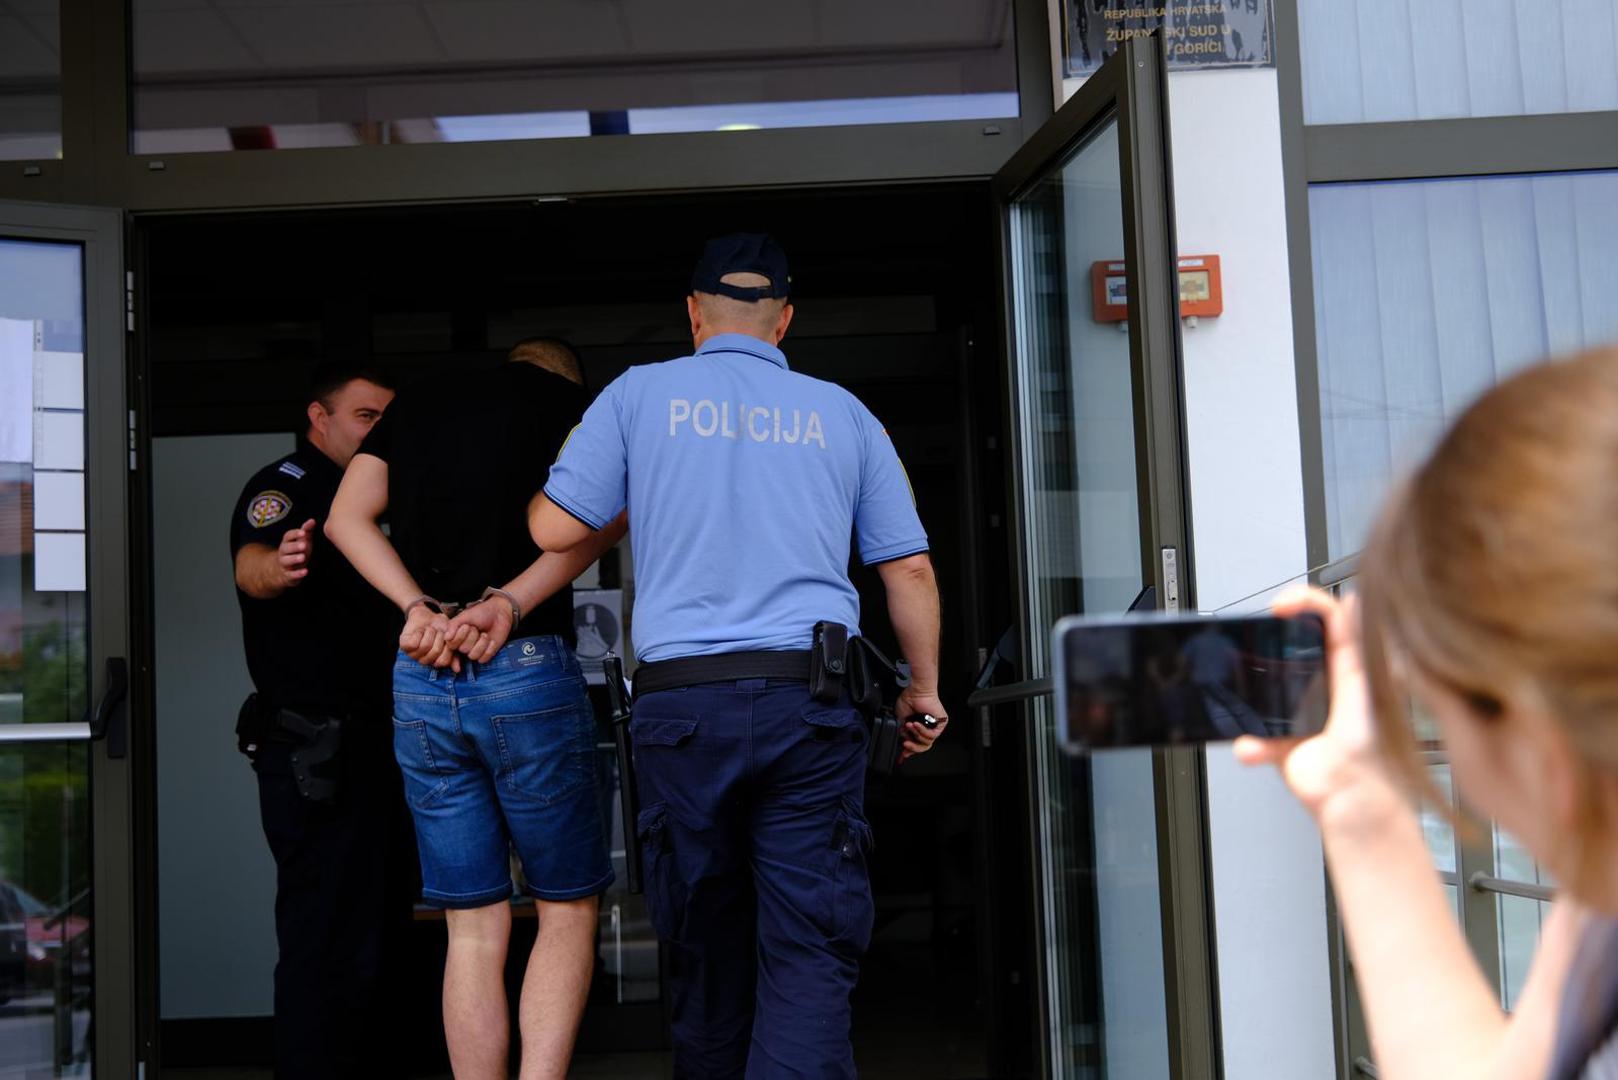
(346, 881)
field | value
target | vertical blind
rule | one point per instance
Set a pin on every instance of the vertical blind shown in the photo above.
(1429, 292)
(1376, 60)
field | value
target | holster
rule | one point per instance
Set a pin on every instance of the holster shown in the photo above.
(874, 683)
(317, 742)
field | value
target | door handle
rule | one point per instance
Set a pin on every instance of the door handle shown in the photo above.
(1005, 695)
(110, 719)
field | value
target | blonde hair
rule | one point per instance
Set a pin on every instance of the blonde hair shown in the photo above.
(1494, 569)
(552, 354)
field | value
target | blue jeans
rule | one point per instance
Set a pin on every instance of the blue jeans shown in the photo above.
(501, 755)
(755, 844)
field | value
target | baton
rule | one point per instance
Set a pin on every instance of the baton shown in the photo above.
(628, 800)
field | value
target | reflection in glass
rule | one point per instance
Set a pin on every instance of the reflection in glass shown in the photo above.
(30, 80)
(236, 76)
(42, 527)
(1083, 554)
(44, 910)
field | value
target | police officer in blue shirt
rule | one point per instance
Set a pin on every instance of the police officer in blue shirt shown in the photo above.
(745, 482)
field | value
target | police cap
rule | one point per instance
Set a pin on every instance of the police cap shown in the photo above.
(752, 253)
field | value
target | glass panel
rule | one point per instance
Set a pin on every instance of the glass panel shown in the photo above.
(1436, 825)
(30, 80)
(42, 551)
(1083, 554)
(44, 825)
(242, 75)
(1372, 60)
(44, 910)
(1427, 293)
(1519, 919)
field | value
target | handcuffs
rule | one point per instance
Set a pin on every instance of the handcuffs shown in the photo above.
(452, 609)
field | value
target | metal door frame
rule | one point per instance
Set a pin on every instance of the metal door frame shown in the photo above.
(108, 424)
(1132, 88)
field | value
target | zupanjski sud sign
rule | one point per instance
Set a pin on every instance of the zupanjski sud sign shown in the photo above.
(1207, 33)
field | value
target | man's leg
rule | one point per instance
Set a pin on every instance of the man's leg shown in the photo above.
(556, 985)
(475, 1023)
(691, 751)
(815, 910)
(300, 931)
(465, 865)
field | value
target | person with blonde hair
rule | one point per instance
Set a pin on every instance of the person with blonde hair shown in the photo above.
(1488, 597)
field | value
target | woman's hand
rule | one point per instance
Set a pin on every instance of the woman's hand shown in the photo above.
(1340, 764)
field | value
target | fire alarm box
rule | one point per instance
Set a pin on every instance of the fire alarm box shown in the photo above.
(1201, 291)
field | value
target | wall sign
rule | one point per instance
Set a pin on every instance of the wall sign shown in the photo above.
(1205, 33)
(1202, 290)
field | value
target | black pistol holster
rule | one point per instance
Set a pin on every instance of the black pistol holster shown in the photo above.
(313, 744)
(873, 682)
(314, 753)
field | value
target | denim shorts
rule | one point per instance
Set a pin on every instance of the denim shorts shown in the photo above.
(502, 755)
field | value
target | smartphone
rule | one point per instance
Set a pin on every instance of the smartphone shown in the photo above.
(1165, 680)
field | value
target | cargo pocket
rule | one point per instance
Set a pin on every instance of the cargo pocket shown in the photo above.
(665, 897)
(835, 724)
(853, 909)
(661, 730)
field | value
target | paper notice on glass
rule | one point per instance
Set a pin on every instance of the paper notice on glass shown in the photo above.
(59, 380)
(58, 562)
(16, 390)
(59, 500)
(59, 440)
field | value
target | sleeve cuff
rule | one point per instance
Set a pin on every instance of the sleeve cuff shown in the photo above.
(889, 552)
(596, 524)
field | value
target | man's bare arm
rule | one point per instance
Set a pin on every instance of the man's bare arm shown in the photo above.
(352, 527)
(265, 572)
(554, 529)
(913, 609)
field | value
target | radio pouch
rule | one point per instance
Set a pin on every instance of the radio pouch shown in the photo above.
(828, 662)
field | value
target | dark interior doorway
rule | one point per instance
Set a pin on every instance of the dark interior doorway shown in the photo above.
(895, 289)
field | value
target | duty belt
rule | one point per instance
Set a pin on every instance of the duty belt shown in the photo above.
(792, 665)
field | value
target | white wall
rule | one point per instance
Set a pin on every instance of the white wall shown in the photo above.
(216, 880)
(1247, 524)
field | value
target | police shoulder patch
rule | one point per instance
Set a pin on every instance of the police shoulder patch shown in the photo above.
(266, 508)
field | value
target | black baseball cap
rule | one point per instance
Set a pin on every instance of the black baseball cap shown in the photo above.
(752, 253)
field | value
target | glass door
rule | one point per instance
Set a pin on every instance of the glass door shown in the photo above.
(1093, 350)
(66, 1003)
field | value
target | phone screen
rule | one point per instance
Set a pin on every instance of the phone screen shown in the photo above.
(1164, 681)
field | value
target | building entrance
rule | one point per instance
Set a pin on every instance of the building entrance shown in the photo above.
(895, 292)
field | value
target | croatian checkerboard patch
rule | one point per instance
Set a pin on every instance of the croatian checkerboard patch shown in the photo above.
(267, 507)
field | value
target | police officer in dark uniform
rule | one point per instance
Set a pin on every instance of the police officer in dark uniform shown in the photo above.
(320, 646)
(746, 483)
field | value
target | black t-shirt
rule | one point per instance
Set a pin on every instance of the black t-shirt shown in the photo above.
(327, 644)
(466, 453)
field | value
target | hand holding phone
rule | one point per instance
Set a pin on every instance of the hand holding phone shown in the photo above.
(1161, 679)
